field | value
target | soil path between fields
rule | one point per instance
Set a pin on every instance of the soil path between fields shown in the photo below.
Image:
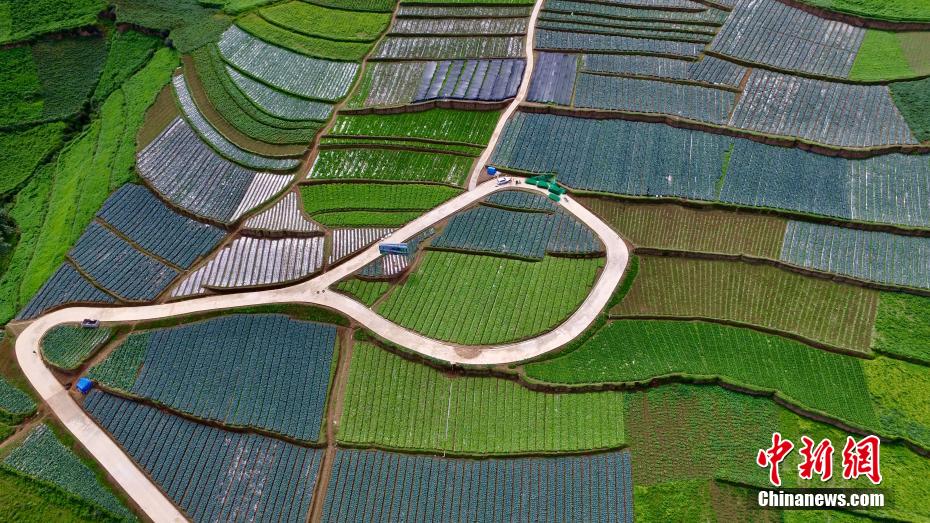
(521, 96)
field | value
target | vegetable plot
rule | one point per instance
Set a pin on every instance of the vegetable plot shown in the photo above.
(255, 262)
(703, 104)
(571, 488)
(319, 79)
(779, 36)
(189, 369)
(511, 300)
(67, 346)
(285, 217)
(233, 474)
(14, 402)
(677, 228)
(41, 456)
(638, 351)
(823, 311)
(446, 125)
(390, 165)
(119, 267)
(66, 285)
(186, 172)
(140, 216)
(219, 142)
(522, 235)
(468, 415)
(854, 116)
(881, 257)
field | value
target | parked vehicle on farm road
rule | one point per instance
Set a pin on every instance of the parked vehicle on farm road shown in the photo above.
(504, 180)
(90, 324)
(394, 248)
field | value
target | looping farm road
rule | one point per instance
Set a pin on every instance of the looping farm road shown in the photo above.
(144, 492)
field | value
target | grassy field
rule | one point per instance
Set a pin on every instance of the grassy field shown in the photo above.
(391, 165)
(677, 228)
(333, 24)
(328, 197)
(637, 351)
(681, 435)
(391, 402)
(819, 310)
(446, 125)
(127, 52)
(24, 20)
(478, 300)
(896, 387)
(305, 45)
(374, 6)
(20, 90)
(191, 23)
(68, 70)
(364, 291)
(26, 150)
(913, 100)
(881, 57)
(892, 10)
(902, 326)
(91, 166)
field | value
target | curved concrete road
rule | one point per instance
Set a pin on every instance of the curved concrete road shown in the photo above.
(521, 96)
(315, 291)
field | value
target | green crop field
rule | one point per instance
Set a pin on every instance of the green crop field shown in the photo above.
(443, 125)
(891, 10)
(391, 402)
(637, 351)
(913, 99)
(391, 165)
(302, 44)
(677, 228)
(366, 292)
(323, 22)
(66, 347)
(477, 300)
(329, 197)
(886, 55)
(680, 435)
(902, 326)
(892, 384)
(819, 310)
(366, 218)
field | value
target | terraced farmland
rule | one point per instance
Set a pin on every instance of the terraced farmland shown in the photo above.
(474, 416)
(268, 349)
(816, 380)
(818, 310)
(694, 165)
(389, 199)
(590, 488)
(255, 262)
(676, 228)
(235, 473)
(378, 164)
